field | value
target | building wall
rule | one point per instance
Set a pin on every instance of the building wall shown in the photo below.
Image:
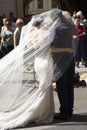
(19, 8)
(7, 6)
(33, 6)
(16, 6)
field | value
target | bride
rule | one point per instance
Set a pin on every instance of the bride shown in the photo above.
(26, 74)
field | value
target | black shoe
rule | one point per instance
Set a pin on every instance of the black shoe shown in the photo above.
(61, 117)
(70, 115)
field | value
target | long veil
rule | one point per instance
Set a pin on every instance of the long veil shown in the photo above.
(26, 73)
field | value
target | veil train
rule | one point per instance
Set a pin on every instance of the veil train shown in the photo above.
(26, 72)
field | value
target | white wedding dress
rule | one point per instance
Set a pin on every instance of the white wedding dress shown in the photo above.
(22, 99)
(39, 105)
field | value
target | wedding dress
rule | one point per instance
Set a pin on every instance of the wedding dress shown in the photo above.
(26, 74)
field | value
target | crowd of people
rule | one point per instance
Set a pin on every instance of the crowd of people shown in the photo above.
(80, 40)
(10, 30)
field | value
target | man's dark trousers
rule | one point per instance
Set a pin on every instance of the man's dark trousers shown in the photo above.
(65, 90)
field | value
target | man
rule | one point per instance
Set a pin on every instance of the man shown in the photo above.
(64, 78)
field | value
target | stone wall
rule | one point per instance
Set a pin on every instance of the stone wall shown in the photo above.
(7, 6)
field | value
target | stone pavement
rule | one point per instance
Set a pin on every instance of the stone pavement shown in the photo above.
(79, 121)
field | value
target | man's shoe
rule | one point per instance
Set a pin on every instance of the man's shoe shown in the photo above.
(70, 115)
(61, 117)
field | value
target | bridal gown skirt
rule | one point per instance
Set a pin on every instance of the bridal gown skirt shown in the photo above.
(39, 107)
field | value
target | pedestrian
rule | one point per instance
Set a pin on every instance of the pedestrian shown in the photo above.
(85, 40)
(7, 37)
(17, 32)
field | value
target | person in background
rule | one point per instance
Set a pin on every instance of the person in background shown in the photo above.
(75, 40)
(1, 55)
(80, 15)
(13, 24)
(7, 37)
(0, 32)
(81, 45)
(4, 24)
(17, 32)
(11, 16)
(85, 40)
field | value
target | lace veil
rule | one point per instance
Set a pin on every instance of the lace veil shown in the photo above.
(20, 69)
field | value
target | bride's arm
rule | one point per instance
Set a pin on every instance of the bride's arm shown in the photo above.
(55, 50)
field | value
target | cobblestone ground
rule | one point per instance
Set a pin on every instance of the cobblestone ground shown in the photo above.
(79, 120)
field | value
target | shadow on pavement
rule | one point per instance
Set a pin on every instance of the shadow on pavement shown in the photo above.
(78, 119)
